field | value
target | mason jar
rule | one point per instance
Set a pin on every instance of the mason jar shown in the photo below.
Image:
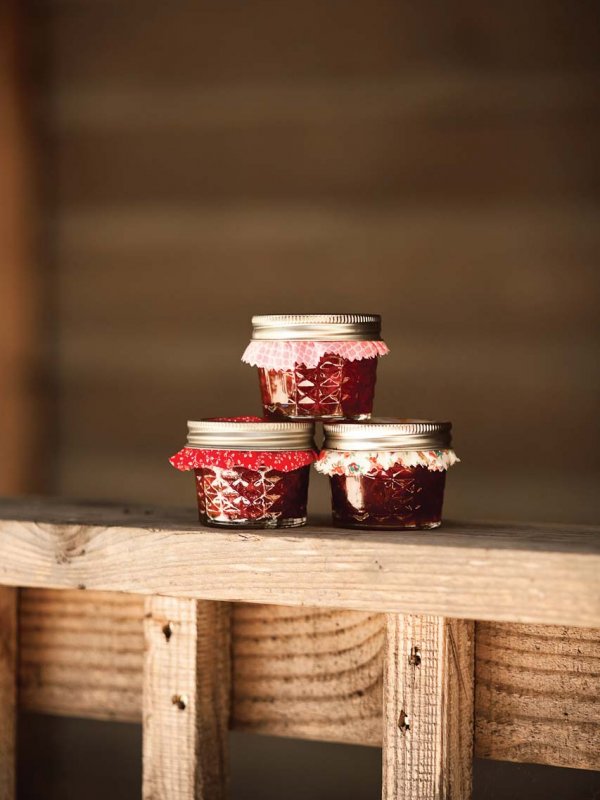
(250, 472)
(316, 366)
(387, 473)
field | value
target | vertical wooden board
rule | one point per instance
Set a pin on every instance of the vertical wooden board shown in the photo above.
(8, 691)
(427, 708)
(20, 291)
(185, 699)
(307, 672)
(538, 694)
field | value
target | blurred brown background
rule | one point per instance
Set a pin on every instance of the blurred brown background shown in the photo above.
(172, 168)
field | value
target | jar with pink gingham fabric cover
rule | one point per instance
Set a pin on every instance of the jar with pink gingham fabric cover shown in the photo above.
(316, 366)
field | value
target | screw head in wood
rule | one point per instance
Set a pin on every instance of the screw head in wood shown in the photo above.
(180, 700)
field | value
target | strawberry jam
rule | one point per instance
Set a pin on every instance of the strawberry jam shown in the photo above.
(261, 497)
(335, 388)
(399, 497)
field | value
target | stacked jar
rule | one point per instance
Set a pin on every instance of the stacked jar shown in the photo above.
(253, 472)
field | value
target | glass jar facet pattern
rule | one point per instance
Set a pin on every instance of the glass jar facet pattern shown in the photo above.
(261, 497)
(335, 388)
(395, 498)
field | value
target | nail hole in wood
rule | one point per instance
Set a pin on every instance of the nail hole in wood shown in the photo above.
(167, 631)
(403, 721)
(179, 700)
(415, 657)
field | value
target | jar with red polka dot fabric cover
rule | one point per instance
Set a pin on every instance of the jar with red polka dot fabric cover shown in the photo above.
(250, 472)
(316, 366)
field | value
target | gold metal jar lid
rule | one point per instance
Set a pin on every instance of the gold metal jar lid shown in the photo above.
(388, 434)
(250, 435)
(317, 327)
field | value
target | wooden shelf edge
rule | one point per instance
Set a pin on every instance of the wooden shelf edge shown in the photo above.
(526, 573)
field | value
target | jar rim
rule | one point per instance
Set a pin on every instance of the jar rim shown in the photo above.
(249, 433)
(317, 327)
(387, 433)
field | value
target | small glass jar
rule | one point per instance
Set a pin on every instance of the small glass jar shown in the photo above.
(250, 472)
(387, 473)
(316, 366)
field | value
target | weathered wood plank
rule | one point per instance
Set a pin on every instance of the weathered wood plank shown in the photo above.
(186, 699)
(316, 674)
(308, 673)
(517, 573)
(81, 653)
(538, 694)
(427, 708)
(8, 691)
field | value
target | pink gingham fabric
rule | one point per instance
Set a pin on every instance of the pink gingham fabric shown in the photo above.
(274, 354)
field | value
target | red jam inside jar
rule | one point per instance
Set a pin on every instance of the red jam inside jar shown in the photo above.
(396, 498)
(387, 473)
(250, 472)
(335, 388)
(316, 366)
(265, 497)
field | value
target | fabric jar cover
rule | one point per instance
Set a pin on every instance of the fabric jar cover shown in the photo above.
(189, 458)
(365, 462)
(284, 355)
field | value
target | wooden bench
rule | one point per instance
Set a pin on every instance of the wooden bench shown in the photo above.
(317, 633)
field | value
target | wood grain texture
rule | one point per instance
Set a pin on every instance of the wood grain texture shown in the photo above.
(81, 653)
(8, 691)
(538, 694)
(308, 673)
(316, 674)
(186, 700)
(427, 708)
(518, 573)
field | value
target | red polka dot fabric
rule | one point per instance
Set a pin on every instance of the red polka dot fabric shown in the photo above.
(282, 460)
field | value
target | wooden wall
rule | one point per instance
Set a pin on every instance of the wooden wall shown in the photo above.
(435, 162)
(22, 389)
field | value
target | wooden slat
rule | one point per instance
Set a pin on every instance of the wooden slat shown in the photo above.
(81, 650)
(110, 167)
(538, 694)
(8, 691)
(20, 411)
(186, 700)
(461, 122)
(316, 674)
(517, 573)
(308, 673)
(427, 708)
(100, 42)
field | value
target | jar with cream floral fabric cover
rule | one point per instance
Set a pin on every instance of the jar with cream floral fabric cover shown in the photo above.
(387, 473)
